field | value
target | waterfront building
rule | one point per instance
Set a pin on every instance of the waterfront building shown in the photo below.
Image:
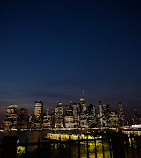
(59, 123)
(11, 117)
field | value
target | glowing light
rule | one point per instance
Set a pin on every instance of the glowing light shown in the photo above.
(20, 150)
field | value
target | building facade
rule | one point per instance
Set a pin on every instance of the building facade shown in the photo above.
(46, 120)
(59, 122)
(11, 117)
(91, 116)
(38, 114)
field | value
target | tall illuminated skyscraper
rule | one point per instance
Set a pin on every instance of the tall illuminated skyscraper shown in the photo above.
(11, 117)
(69, 118)
(104, 111)
(59, 116)
(82, 113)
(82, 104)
(100, 114)
(38, 111)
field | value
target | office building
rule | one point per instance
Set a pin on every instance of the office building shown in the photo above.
(46, 120)
(121, 114)
(11, 117)
(69, 119)
(113, 120)
(59, 122)
(38, 111)
(104, 111)
(75, 111)
(91, 116)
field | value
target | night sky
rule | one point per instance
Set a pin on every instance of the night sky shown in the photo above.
(52, 50)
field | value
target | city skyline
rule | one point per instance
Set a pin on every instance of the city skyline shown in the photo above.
(70, 116)
(53, 50)
(114, 107)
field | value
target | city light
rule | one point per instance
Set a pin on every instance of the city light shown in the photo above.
(75, 116)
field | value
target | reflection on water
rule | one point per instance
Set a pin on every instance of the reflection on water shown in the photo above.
(33, 136)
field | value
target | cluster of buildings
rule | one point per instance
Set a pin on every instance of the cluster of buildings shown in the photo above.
(72, 116)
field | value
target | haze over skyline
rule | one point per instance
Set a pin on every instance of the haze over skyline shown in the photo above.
(53, 50)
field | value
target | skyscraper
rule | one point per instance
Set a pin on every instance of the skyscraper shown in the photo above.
(121, 114)
(82, 105)
(100, 114)
(11, 117)
(91, 116)
(104, 111)
(38, 111)
(69, 119)
(113, 119)
(82, 113)
(46, 119)
(75, 110)
(59, 116)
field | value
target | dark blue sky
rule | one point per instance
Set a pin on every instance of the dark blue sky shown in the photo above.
(52, 50)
